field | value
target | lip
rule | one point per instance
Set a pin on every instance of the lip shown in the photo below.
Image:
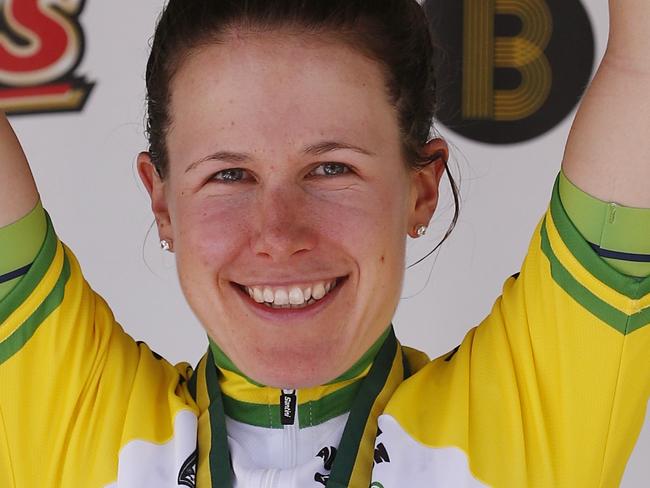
(284, 315)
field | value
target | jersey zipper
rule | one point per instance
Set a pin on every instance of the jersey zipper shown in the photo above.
(290, 427)
(288, 405)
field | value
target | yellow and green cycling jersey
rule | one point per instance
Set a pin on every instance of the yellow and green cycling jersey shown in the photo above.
(550, 390)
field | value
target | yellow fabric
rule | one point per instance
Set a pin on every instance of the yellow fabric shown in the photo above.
(543, 393)
(79, 389)
(549, 391)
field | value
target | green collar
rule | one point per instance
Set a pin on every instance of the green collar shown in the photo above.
(252, 403)
(355, 454)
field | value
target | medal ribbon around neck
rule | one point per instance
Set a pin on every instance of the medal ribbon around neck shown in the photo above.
(355, 456)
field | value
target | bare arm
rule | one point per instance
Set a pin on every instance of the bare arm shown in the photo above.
(608, 151)
(18, 194)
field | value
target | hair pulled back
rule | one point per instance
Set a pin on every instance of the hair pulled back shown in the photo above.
(394, 33)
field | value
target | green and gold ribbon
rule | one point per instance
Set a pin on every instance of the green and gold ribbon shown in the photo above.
(355, 456)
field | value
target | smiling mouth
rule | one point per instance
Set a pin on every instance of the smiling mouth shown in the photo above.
(297, 296)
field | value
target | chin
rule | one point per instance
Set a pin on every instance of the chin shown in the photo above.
(292, 369)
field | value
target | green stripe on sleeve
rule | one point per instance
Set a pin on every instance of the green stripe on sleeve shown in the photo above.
(19, 246)
(19, 338)
(28, 283)
(632, 287)
(614, 229)
(604, 311)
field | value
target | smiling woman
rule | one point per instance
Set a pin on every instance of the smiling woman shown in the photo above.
(291, 155)
(305, 184)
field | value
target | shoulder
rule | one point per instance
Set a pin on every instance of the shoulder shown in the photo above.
(425, 393)
(423, 430)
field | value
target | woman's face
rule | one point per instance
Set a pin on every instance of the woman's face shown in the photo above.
(286, 179)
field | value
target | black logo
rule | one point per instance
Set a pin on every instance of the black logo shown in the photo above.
(288, 403)
(381, 453)
(509, 70)
(328, 455)
(187, 474)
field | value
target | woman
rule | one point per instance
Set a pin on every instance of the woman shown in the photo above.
(289, 159)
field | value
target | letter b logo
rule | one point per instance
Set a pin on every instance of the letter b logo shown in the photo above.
(509, 70)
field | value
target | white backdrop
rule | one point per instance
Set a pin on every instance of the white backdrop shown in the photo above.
(84, 166)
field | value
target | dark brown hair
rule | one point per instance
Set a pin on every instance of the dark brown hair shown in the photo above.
(395, 33)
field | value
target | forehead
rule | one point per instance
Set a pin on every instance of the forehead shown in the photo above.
(273, 91)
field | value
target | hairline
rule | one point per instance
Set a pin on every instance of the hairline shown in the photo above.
(324, 34)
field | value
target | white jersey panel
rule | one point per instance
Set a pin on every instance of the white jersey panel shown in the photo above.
(402, 461)
(147, 465)
(290, 457)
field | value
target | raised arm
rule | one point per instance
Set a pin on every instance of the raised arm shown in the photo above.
(608, 151)
(18, 194)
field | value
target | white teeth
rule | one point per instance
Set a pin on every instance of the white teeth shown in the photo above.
(319, 291)
(290, 297)
(258, 296)
(268, 295)
(281, 297)
(296, 297)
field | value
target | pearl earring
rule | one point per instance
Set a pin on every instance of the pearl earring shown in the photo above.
(421, 230)
(165, 245)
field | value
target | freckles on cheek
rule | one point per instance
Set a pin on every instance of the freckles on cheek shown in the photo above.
(342, 219)
(363, 233)
(217, 235)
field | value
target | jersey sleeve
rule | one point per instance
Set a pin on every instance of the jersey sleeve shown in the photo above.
(618, 234)
(551, 388)
(19, 245)
(74, 387)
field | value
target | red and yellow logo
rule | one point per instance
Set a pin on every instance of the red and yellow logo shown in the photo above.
(41, 46)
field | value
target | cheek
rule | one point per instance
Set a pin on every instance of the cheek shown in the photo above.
(366, 225)
(370, 225)
(211, 233)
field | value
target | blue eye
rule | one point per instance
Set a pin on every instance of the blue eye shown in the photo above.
(331, 169)
(231, 175)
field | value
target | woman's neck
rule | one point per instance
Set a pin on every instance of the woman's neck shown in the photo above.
(250, 402)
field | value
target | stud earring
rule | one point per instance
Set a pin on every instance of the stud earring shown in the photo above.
(165, 245)
(421, 230)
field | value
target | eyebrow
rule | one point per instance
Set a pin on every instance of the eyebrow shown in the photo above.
(311, 150)
(327, 146)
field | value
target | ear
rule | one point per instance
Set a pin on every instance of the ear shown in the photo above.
(156, 188)
(425, 183)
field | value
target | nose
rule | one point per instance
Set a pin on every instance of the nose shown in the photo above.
(283, 227)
